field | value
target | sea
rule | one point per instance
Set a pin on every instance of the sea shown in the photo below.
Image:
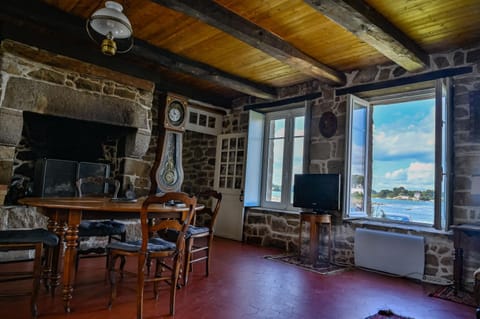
(401, 209)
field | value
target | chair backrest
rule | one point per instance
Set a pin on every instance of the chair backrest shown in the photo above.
(152, 223)
(98, 182)
(212, 194)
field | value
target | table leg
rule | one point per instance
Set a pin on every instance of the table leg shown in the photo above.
(313, 240)
(300, 239)
(71, 237)
(56, 225)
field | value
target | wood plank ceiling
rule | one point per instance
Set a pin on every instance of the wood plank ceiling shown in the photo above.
(221, 50)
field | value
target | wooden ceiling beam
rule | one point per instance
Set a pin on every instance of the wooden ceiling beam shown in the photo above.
(371, 27)
(183, 65)
(71, 39)
(229, 22)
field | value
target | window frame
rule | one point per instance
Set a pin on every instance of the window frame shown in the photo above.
(442, 164)
(287, 181)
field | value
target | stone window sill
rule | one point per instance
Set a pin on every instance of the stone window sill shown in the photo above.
(367, 223)
(272, 210)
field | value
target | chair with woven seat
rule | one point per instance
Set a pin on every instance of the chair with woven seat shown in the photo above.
(27, 239)
(98, 186)
(168, 256)
(200, 239)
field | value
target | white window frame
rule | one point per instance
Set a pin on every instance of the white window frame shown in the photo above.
(287, 182)
(442, 161)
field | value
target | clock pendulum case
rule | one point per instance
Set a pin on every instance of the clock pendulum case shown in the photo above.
(167, 172)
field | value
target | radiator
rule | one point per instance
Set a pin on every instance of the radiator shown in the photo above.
(398, 254)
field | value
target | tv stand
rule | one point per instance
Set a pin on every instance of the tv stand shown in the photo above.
(315, 219)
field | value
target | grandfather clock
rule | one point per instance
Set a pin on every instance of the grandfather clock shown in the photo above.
(167, 172)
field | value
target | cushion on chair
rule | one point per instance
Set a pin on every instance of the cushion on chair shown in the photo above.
(154, 244)
(28, 236)
(89, 228)
(171, 234)
(194, 230)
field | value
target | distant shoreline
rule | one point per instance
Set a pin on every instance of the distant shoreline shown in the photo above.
(404, 198)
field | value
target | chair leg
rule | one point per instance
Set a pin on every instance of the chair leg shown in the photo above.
(209, 254)
(173, 286)
(188, 257)
(112, 276)
(37, 274)
(140, 284)
(47, 267)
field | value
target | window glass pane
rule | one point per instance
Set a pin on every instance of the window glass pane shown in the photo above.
(275, 171)
(224, 144)
(202, 120)
(299, 126)
(193, 117)
(297, 164)
(358, 157)
(241, 143)
(297, 156)
(403, 165)
(211, 122)
(277, 128)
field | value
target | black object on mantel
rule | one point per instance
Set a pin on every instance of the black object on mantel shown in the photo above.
(19, 187)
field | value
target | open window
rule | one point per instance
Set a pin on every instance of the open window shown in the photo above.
(397, 163)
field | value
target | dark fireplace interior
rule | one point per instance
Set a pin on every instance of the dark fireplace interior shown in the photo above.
(60, 138)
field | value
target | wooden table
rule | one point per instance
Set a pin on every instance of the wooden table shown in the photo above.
(461, 234)
(315, 220)
(65, 214)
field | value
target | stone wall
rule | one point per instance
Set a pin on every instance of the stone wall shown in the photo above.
(327, 156)
(199, 151)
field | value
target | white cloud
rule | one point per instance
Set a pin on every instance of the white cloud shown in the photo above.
(417, 176)
(415, 139)
(421, 173)
(397, 175)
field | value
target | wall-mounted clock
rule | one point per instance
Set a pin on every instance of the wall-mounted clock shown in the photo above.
(328, 124)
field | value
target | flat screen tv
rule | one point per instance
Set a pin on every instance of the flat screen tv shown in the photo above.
(320, 192)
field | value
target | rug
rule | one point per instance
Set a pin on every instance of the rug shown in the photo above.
(322, 267)
(448, 293)
(386, 314)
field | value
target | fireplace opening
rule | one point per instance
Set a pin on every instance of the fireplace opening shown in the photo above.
(61, 138)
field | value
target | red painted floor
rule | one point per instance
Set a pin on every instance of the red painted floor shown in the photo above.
(242, 285)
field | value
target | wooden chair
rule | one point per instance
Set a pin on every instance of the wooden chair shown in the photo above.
(113, 230)
(168, 256)
(27, 239)
(200, 239)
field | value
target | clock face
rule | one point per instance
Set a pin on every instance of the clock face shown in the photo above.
(175, 113)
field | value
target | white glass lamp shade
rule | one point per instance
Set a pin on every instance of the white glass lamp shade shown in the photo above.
(111, 22)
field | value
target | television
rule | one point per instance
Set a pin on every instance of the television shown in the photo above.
(320, 192)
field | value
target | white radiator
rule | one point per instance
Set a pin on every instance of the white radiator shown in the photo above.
(398, 254)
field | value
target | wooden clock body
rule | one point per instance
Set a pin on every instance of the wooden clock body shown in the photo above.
(167, 172)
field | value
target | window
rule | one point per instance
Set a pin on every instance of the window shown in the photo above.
(396, 159)
(283, 156)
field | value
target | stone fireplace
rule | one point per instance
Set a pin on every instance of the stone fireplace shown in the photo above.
(83, 113)
(56, 107)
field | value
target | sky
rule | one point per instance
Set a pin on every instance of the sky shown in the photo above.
(404, 145)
